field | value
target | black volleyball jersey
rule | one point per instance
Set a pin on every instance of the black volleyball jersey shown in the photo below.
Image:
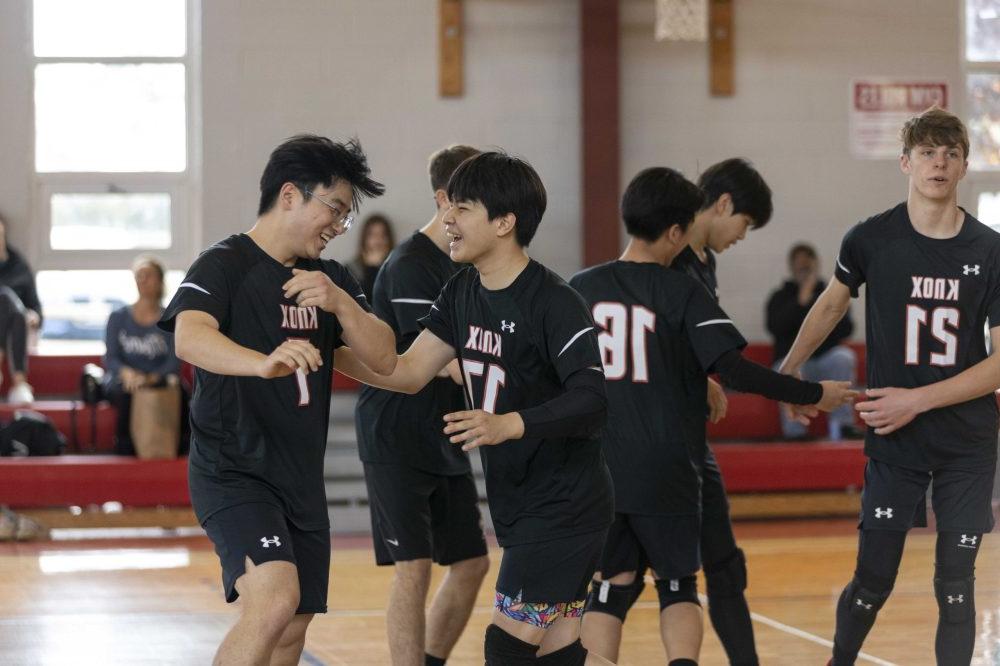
(517, 347)
(660, 334)
(252, 439)
(395, 427)
(927, 303)
(703, 272)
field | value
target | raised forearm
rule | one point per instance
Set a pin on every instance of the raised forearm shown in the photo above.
(371, 339)
(979, 380)
(208, 349)
(823, 317)
(402, 379)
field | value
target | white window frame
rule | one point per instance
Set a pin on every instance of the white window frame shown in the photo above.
(976, 182)
(183, 187)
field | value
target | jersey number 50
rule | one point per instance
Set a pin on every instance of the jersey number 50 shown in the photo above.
(622, 326)
(940, 319)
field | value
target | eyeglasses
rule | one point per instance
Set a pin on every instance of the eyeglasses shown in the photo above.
(344, 219)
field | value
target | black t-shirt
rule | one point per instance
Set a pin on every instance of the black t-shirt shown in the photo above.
(660, 335)
(408, 429)
(927, 303)
(252, 439)
(517, 347)
(703, 272)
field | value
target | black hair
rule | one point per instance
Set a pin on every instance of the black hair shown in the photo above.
(307, 160)
(657, 199)
(444, 162)
(373, 220)
(744, 184)
(503, 184)
(804, 248)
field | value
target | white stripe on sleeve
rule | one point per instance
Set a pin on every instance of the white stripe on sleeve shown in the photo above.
(574, 339)
(192, 285)
(710, 322)
(415, 301)
(842, 266)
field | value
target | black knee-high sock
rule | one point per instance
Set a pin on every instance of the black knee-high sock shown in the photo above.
(730, 617)
(431, 660)
(725, 580)
(879, 554)
(954, 588)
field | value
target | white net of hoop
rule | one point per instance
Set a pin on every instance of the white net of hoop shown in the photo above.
(682, 20)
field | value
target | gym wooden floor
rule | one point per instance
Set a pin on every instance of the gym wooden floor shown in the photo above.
(106, 602)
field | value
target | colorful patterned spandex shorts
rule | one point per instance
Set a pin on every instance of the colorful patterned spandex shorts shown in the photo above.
(538, 614)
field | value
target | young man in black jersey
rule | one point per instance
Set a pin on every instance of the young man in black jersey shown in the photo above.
(422, 497)
(736, 199)
(535, 389)
(259, 315)
(932, 276)
(661, 334)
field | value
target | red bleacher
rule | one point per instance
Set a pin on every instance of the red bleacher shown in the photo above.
(93, 479)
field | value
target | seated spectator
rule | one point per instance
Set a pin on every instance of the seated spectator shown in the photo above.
(20, 315)
(139, 354)
(786, 308)
(375, 243)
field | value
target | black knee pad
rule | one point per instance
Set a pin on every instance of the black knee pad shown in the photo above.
(728, 578)
(615, 600)
(502, 649)
(677, 591)
(956, 599)
(571, 655)
(864, 602)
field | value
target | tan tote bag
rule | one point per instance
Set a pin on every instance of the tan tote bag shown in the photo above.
(156, 422)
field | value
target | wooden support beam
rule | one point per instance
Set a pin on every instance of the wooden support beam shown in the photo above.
(451, 79)
(600, 144)
(720, 45)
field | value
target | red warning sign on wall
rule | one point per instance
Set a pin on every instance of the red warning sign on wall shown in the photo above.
(879, 107)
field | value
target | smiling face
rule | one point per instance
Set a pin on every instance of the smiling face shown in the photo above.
(934, 171)
(470, 232)
(318, 220)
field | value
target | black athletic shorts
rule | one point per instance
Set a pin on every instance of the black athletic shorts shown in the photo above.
(261, 532)
(416, 514)
(551, 572)
(894, 498)
(669, 545)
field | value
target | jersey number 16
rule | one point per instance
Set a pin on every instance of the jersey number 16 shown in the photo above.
(624, 331)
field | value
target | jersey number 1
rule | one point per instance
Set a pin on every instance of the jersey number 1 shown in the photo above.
(940, 320)
(624, 328)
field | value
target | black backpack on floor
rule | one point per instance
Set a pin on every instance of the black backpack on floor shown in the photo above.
(31, 434)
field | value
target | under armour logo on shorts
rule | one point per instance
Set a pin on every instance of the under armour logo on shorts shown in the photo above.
(863, 604)
(883, 513)
(960, 599)
(974, 270)
(968, 540)
(267, 543)
(506, 326)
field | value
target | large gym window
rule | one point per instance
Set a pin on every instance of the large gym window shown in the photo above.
(981, 62)
(115, 104)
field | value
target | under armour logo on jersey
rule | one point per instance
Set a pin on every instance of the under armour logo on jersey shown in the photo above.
(974, 270)
(883, 513)
(959, 599)
(267, 543)
(507, 327)
(863, 604)
(968, 540)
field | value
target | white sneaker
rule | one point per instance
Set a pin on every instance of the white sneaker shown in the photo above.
(20, 394)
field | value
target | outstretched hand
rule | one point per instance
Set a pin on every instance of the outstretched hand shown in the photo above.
(890, 410)
(480, 428)
(288, 357)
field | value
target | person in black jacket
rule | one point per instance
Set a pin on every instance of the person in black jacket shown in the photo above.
(786, 309)
(20, 311)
